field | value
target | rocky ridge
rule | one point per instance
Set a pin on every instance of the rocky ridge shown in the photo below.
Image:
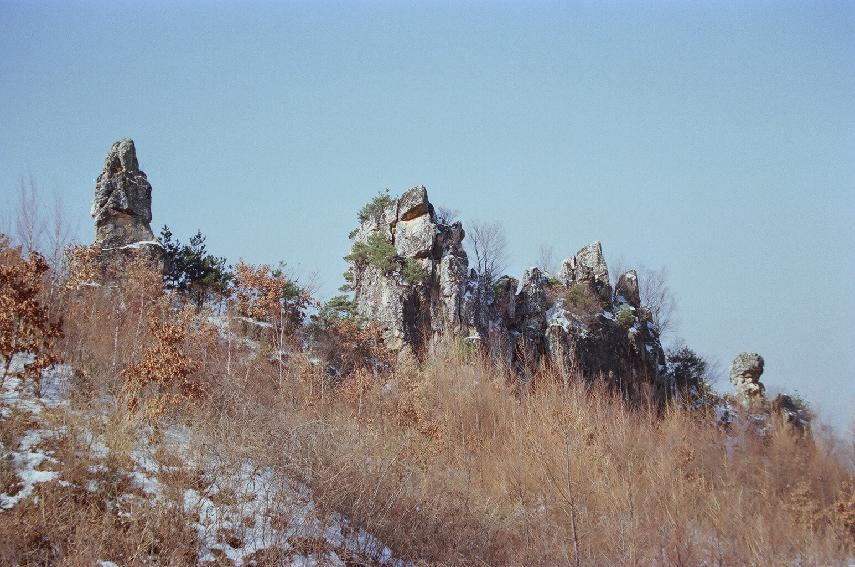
(573, 319)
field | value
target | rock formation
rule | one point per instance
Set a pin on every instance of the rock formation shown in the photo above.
(745, 372)
(409, 274)
(408, 270)
(122, 204)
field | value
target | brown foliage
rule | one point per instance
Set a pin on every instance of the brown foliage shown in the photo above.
(163, 377)
(25, 327)
(265, 294)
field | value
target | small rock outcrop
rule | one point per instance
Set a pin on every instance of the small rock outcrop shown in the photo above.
(122, 204)
(745, 372)
(789, 410)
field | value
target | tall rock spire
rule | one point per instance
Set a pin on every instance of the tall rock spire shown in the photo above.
(122, 204)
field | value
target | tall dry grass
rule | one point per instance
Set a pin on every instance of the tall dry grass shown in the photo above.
(449, 464)
(446, 460)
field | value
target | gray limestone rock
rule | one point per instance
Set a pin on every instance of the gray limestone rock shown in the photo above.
(745, 372)
(122, 204)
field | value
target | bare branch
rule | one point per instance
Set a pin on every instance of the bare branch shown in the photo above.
(29, 223)
(447, 215)
(489, 246)
(546, 260)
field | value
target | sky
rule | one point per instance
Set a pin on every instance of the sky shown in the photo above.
(714, 139)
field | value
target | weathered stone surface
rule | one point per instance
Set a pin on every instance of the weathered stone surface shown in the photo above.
(627, 289)
(410, 312)
(415, 238)
(414, 203)
(122, 204)
(745, 372)
(588, 266)
(794, 415)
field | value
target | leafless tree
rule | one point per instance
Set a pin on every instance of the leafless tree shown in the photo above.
(546, 260)
(41, 225)
(447, 215)
(489, 248)
(30, 224)
(656, 294)
(58, 233)
(657, 297)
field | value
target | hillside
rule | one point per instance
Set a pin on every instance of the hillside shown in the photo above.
(161, 408)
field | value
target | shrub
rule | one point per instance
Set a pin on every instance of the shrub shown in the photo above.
(376, 206)
(163, 377)
(376, 251)
(626, 317)
(189, 268)
(581, 299)
(25, 327)
(414, 273)
(267, 295)
(337, 309)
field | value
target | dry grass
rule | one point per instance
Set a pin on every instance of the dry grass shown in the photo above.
(448, 464)
(445, 461)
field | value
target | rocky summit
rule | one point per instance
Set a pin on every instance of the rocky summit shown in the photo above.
(122, 204)
(408, 270)
(410, 277)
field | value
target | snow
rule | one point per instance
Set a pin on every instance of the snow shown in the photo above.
(245, 506)
(136, 245)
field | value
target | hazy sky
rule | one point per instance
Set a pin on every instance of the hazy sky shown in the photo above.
(716, 139)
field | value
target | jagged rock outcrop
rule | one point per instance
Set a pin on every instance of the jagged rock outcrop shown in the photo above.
(573, 320)
(788, 410)
(408, 271)
(745, 372)
(122, 204)
(598, 332)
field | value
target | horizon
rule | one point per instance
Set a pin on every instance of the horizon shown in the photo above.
(714, 141)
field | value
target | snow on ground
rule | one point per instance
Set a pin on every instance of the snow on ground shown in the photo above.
(238, 510)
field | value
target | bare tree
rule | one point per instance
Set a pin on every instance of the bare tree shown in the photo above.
(656, 294)
(58, 233)
(489, 247)
(657, 297)
(30, 225)
(447, 215)
(546, 260)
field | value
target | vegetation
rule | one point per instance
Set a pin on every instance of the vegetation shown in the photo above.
(377, 251)
(580, 298)
(446, 461)
(334, 311)
(25, 325)
(380, 253)
(414, 273)
(374, 208)
(626, 317)
(191, 270)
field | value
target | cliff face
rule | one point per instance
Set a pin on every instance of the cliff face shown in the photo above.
(409, 274)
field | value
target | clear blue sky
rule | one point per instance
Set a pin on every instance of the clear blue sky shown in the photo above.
(714, 138)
